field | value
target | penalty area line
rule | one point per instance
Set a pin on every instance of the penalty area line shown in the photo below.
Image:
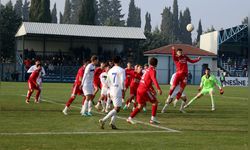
(48, 100)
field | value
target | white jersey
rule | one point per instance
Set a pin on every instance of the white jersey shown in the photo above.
(177, 89)
(103, 79)
(42, 73)
(116, 78)
(88, 76)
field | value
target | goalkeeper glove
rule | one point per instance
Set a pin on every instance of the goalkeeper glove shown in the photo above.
(221, 91)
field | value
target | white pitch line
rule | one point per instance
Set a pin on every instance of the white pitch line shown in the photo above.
(230, 97)
(140, 122)
(81, 133)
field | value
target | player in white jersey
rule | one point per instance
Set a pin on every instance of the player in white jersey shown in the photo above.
(41, 75)
(171, 98)
(116, 79)
(87, 86)
(104, 90)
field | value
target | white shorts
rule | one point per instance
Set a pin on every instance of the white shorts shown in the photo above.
(104, 91)
(176, 92)
(88, 90)
(117, 101)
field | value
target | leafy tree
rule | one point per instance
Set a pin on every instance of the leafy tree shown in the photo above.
(26, 10)
(116, 17)
(87, 13)
(19, 8)
(67, 12)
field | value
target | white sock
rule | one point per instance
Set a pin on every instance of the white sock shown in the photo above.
(65, 109)
(113, 118)
(152, 117)
(165, 107)
(103, 104)
(89, 106)
(110, 114)
(182, 105)
(107, 104)
(85, 106)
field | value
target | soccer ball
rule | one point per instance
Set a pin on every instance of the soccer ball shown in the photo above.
(190, 27)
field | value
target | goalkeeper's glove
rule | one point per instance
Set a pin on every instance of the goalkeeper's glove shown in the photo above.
(221, 91)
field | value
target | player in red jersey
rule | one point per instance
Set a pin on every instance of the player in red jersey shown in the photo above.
(129, 72)
(136, 77)
(97, 81)
(76, 90)
(144, 92)
(34, 85)
(180, 61)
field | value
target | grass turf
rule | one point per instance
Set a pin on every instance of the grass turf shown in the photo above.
(226, 128)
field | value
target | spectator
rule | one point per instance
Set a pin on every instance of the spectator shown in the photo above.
(223, 79)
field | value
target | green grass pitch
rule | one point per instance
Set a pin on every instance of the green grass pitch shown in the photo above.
(43, 126)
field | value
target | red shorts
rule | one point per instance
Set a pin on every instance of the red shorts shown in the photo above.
(32, 86)
(180, 78)
(97, 84)
(144, 96)
(76, 90)
(133, 91)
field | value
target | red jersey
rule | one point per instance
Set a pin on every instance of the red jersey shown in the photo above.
(129, 73)
(181, 62)
(79, 75)
(136, 77)
(97, 73)
(34, 75)
(148, 77)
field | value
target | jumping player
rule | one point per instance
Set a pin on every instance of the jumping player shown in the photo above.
(144, 92)
(180, 61)
(116, 78)
(76, 90)
(171, 98)
(33, 84)
(87, 86)
(208, 82)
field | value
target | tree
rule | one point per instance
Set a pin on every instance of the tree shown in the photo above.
(54, 14)
(35, 9)
(61, 18)
(45, 14)
(116, 15)
(104, 12)
(199, 32)
(176, 29)
(76, 7)
(167, 26)
(9, 23)
(67, 12)
(134, 15)
(186, 20)
(19, 8)
(26, 10)
(87, 13)
(245, 20)
(148, 27)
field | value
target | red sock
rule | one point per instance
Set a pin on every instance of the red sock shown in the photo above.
(135, 105)
(29, 94)
(135, 112)
(83, 100)
(154, 109)
(70, 101)
(171, 90)
(38, 94)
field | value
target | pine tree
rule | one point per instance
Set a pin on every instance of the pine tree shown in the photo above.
(245, 20)
(116, 15)
(61, 18)
(186, 20)
(67, 12)
(19, 8)
(199, 32)
(26, 10)
(54, 14)
(87, 13)
(104, 12)
(175, 21)
(76, 7)
(35, 9)
(167, 26)
(134, 15)
(45, 14)
(148, 26)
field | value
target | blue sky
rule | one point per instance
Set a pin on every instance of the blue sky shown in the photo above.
(219, 13)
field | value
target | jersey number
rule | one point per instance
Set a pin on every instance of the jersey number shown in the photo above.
(114, 77)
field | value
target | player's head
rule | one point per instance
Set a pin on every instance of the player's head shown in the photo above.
(37, 62)
(139, 69)
(94, 59)
(129, 65)
(117, 60)
(145, 66)
(107, 67)
(153, 61)
(103, 64)
(179, 52)
(207, 71)
(39, 67)
(86, 62)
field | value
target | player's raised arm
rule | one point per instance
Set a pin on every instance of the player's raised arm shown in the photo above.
(174, 54)
(43, 72)
(31, 69)
(193, 60)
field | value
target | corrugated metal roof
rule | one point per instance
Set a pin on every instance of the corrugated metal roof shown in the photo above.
(80, 30)
(187, 49)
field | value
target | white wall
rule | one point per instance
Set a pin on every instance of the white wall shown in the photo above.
(209, 41)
